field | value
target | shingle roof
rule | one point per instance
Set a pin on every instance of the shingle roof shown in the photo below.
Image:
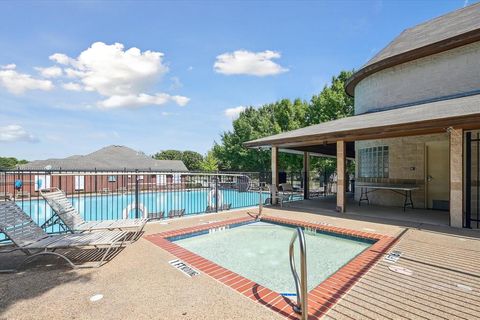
(432, 112)
(109, 158)
(443, 33)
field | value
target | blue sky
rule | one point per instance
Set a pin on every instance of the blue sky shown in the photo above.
(195, 65)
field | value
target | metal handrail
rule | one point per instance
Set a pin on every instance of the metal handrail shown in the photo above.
(300, 284)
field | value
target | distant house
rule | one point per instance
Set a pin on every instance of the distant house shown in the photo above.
(416, 124)
(110, 169)
(108, 158)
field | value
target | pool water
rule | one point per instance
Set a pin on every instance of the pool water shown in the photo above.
(259, 251)
(112, 206)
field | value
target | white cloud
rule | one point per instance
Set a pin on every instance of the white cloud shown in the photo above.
(18, 83)
(10, 66)
(234, 113)
(72, 86)
(50, 72)
(110, 70)
(14, 132)
(122, 76)
(61, 58)
(249, 63)
(140, 100)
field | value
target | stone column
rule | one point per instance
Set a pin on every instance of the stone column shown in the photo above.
(341, 179)
(274, 174)
(456, 177)
(306, 175)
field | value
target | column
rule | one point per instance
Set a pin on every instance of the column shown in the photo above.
(306, 175)
(456, 177)
(274, 174)
(341, 179)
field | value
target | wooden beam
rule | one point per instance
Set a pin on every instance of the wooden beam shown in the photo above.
(341, 173)
(274, 175)
(456, 177)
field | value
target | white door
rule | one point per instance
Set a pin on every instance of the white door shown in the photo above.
(79, 182)
(42, 182)
(161, 179)
(437, 174)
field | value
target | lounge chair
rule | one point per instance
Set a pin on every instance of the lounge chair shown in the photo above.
(5, 195)
(176, 213)
(211, 209)
(29, 238)
(67, 216)
(22, 194)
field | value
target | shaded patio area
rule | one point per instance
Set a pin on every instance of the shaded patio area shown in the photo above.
(368, 212)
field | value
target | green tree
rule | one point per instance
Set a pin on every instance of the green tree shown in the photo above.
(209, 163)
(10, 162)
(273, 118)
(191, 159)
(168, 155)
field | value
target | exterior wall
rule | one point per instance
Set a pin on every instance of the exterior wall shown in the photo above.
(451, 72)
(404, 154)
(92, 184)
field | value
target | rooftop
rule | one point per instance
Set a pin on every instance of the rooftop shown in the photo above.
(443, 33)
(108, 158)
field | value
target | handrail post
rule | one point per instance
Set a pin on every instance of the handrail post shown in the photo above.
(300, 285)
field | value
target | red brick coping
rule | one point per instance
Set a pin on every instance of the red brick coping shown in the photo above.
(320, 299)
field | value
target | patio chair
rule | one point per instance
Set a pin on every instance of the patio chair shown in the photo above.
(67, 216)
(5, 195)
(32, 240)
(223, 207)
(281, 196)
(176, 213)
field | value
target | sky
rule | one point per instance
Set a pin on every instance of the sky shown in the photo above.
(77, 76)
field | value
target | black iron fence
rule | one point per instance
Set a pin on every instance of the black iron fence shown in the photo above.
(102, 195)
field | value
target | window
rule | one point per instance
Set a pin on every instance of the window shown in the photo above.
(112, 178)
(79, 182)
(373, 162)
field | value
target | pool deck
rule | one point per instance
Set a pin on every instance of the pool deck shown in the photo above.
(139, 283)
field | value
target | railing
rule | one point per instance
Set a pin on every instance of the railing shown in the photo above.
(101, 195)
(300, 284)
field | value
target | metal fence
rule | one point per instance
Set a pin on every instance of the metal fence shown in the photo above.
(102, 195)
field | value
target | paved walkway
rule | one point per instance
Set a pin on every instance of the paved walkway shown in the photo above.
(140, 284)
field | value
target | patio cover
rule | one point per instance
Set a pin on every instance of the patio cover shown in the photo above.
(425, 118)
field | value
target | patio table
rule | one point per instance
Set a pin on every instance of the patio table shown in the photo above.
(405, 190)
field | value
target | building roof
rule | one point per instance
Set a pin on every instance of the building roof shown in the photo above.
(424, 118)
(108, 158)
(443, 33)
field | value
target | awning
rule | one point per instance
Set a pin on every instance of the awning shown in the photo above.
(426, 118)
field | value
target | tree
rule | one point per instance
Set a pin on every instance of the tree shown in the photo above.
(191, 159)
(168, 155)
(10, 162)
(209, 163)
(273, 118)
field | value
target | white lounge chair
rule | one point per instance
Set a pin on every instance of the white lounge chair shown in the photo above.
(29, 238)
(67, 216)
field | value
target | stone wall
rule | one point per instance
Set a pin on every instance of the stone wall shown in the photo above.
(406, 166)
(451, 72)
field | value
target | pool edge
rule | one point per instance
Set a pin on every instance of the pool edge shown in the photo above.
(320, 299)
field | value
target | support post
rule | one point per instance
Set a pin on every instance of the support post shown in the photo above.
(274, 175)
(456, 177)
(341, 179)
(306, 175)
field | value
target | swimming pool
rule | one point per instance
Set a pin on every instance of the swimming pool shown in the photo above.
(114, 206)
(336, 262)
(259, 251)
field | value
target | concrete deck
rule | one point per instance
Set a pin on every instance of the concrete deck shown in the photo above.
(139, 283)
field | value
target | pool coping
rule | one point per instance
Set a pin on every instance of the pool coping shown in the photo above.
(320, 299)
